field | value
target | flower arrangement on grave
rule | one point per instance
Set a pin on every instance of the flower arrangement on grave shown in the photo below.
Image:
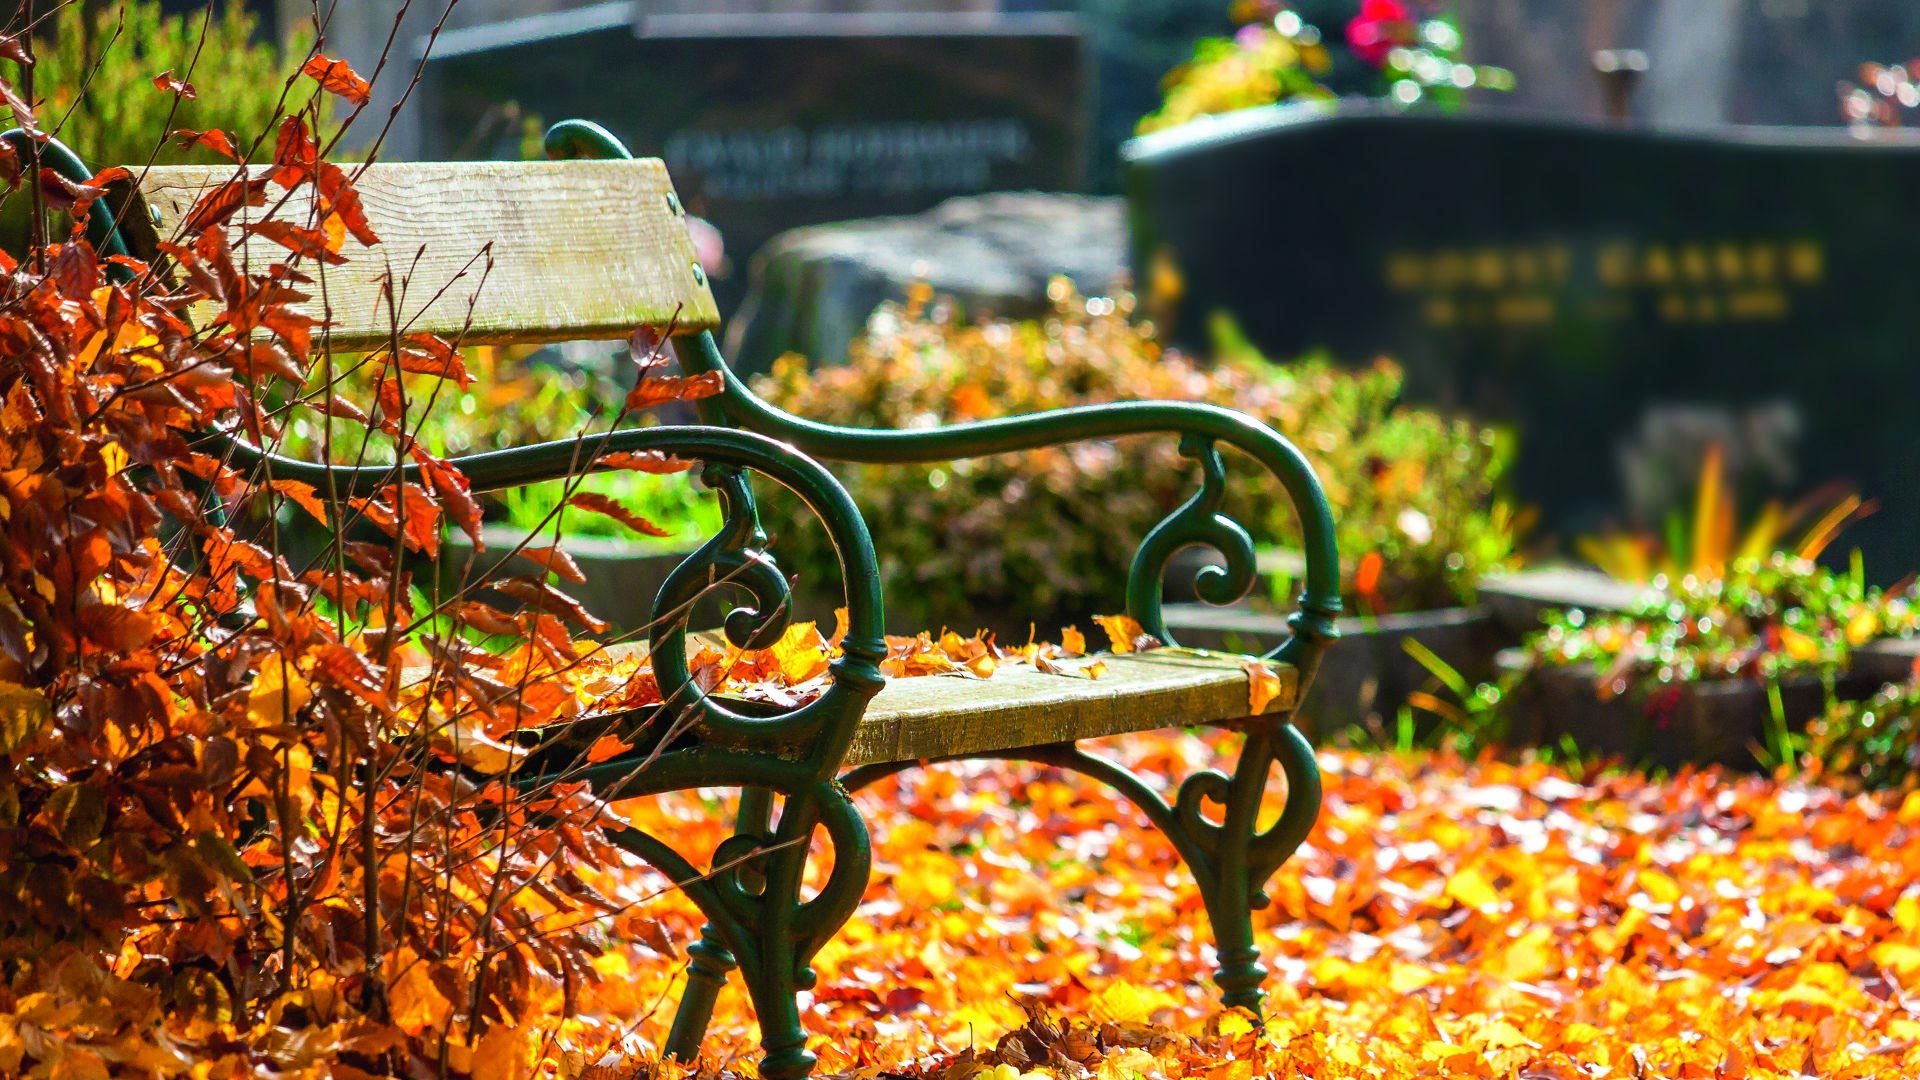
(1404, 51)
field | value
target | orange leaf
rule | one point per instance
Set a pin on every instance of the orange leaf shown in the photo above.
(1124, 632)
(340, 199)
(302, 494)
(1072, 641)
(220, 204)
(1366, 577)
(432, 355)
(307, 243)
(595, 503)
(1263, 686)
(335, 77)
(213, 139)
(166, 81)
(556, 561)
(646, 461)
(658, 391)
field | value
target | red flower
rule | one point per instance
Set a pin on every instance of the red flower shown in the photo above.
(1381, 25)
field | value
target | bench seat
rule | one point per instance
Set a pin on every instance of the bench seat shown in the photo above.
(938, 716)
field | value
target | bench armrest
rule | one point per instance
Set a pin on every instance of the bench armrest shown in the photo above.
(821, 729)
(1199, 521)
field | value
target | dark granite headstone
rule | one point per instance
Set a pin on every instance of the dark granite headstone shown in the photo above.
(768, 122)
(1622, 296)
(994, 255)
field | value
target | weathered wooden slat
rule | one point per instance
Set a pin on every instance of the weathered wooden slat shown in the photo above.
(940, 716)
(577, 249)
(936, 716)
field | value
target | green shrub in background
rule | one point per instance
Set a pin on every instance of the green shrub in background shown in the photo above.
(97, 63)
(1874, 743)
(94, 75)
(1414, 493)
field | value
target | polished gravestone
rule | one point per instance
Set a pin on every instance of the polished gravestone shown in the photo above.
(1622, 296)
(770, 121)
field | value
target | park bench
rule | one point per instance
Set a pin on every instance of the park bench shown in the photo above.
(591, 249)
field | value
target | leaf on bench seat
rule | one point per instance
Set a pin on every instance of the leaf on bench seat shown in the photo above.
(1126, 634)
(1263, 686)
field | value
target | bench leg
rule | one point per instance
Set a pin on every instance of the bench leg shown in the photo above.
(756, 920)
(1231, 859)
(710, 959)
(711, 963)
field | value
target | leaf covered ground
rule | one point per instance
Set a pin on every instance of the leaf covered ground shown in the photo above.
(1446, 919)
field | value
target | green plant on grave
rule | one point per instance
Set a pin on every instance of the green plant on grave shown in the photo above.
(1467, 717)
(1055, 529)
(1873, 743)
(1403, 51)
(1703, 544)
(510, 403)
(98, 62)
(1764, 620)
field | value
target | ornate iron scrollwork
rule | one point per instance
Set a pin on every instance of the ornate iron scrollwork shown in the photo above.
(1198, 521)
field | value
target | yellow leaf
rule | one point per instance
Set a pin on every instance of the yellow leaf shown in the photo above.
(1531, 956)
(505, 1053)
(1501, 1035)
(926, 879)
(1903, 960)
(800, 654)
(1073, 642)
(1406, 978)
(1659, 888)
(1862, 627)
(1235, 1022)
(1121, 630)
(114, 456)
(278, 691)
(1798, 645)
(1128, 1063)
(1906, 913)
(1471, 889)
(24, 712)
(1121, 1003)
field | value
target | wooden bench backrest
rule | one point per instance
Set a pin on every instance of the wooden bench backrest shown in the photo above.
(578, 249)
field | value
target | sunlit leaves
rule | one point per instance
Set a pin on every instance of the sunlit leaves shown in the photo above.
(655, 390)
(335, 77)
(24, 713)
(596, 503)
(166, 81)
(214, 140)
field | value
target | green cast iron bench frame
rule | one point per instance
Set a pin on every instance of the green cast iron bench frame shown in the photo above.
(590, 249)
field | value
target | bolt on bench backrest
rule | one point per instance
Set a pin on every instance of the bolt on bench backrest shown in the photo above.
(481, 252)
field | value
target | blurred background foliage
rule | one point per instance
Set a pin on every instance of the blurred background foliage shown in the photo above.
(122, 118)
(1055, 529)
